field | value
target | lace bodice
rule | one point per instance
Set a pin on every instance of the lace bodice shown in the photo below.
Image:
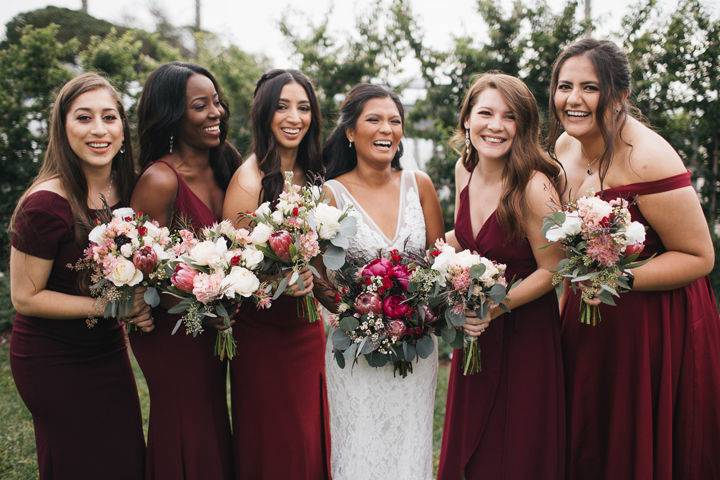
(380, 424)
(410, 230)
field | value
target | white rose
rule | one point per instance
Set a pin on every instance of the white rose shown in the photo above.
(277, 216)
(260, 233)
(263, 210)
(599, 207)
(97, 234)
(226, 228)
(315, 193)
(327, 219)
(635, 233)
(443, 261)
(126, 250)
(123, 212)
(572, 224)
(555, 233)
(252, 257)
(467, 259)
(490, 271)
(240, 281)
(209, 253)
(161, 253)
(125, 273)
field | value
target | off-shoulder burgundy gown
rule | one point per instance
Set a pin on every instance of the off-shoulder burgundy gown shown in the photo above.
(643, 386)
(506, 422)
(76, 381)
(189, 432)
(279, 398)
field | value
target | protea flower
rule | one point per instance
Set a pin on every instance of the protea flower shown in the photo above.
(145, 259)
(280, 244)
(368, 302)
(183, 277)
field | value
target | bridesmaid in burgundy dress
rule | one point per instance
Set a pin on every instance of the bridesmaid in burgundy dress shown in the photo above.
(182, 121)
(508, 420)
(279, 400)
(75, 380)
(643, 386)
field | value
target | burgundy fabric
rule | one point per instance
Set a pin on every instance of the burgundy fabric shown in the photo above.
(189, 429)
(506, 422)
(643, 386)
(279, 399)
(76, 381)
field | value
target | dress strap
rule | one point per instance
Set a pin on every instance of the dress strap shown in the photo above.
(656, 186)
(334, 187)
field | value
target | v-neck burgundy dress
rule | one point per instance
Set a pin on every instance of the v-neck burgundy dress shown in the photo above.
(643, 386)
(76, 381)
(506, 422)
(189, 432)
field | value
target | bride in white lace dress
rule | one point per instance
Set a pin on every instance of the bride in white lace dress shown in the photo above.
(380, 424)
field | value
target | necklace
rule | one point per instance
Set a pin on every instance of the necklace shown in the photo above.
(105, 195)
(590, 162)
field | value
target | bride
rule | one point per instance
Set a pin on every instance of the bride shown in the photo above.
(381, 424)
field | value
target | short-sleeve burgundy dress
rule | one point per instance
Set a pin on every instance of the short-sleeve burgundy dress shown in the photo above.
(76, 381)
(279, 398)
(189, 432)
(507, 421)
(643, 386)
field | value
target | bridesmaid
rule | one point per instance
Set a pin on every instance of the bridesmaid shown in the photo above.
(76, 381)
(279, 401)
(182, 123)
(643, 386)
(507, 421)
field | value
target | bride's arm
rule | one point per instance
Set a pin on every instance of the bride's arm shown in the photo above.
(434, 226)
(323, 288)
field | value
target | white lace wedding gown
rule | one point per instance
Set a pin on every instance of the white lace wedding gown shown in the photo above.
(381, 424)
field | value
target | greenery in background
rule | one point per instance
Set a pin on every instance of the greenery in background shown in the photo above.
(675, 60)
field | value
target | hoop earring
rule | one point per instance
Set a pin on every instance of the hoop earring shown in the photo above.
(172, 140)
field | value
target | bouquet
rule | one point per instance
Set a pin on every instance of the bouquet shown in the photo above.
(601, 243)
(384, 313)
(298, 229)
(467, 281)
(215, 273)
(126, 251)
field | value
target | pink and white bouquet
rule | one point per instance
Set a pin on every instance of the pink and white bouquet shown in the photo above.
(601, 242)
(301, 227)
(127, 251)
(467, 281)
(383, 313)
(217, 272)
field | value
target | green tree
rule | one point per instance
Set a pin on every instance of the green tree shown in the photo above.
(31, 70)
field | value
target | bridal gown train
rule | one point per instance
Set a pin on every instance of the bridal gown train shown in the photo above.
(381, 424)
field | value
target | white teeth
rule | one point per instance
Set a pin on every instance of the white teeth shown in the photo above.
(383, 143)
(493, 139)
(214, 128)
(291, 131)
(575, 113)
(99, 145)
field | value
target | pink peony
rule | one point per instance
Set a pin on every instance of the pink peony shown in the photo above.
(379, 267)
(280, 244)
(402, 275)
(368, 302)
(396, 328)
(393, 307)
(603, 250)
(206, 287)
(145, 259)
(183, 277)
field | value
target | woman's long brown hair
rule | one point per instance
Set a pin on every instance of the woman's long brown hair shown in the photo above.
(61, 162)
(526, 155)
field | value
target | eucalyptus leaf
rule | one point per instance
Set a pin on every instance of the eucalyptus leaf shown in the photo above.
(176, 327)
(368, 347)
(339, 358)
(408, 351)
(349, 323)
(340, 240)
(425, 346)
(497, 293)
(476, 271)
(456, 319)
(282, 285)
(448, 334)
(220, 309)
(179, 307)
(340, 340)
(334, 258)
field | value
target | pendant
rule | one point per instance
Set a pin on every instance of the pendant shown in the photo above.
(589, 172)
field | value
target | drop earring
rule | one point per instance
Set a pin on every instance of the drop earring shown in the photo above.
(350, 144)
(172, 140)
(467, 138)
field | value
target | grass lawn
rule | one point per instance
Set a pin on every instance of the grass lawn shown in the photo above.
(17, 439)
